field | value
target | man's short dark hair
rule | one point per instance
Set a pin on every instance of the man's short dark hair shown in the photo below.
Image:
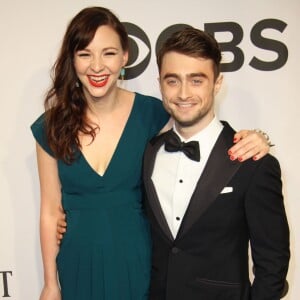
(192, 42)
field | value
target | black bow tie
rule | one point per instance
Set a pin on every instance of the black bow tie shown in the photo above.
(190, 149)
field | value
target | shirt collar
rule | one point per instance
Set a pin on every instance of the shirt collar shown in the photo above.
(212, 130)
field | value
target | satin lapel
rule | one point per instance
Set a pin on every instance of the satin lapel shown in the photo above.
(151, 197)
(217, 173)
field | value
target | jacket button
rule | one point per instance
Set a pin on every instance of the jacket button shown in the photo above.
(175, 250)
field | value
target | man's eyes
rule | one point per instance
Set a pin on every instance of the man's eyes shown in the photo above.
(194, 81)
(171, 81)
(197, 81)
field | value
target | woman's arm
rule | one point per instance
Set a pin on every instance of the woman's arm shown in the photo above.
(49, 211)
(249, 144)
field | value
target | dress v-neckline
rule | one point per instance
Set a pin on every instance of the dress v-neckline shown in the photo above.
(117, 146)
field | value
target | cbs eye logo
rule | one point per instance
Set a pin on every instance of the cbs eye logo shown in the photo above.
(140, 47)
(138, 40)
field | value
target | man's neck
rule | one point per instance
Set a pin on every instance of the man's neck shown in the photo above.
(188, 131)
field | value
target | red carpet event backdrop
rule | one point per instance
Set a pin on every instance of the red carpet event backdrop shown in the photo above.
(260, 42)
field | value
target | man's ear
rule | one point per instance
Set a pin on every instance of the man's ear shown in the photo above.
(218, 84)
(159, 84)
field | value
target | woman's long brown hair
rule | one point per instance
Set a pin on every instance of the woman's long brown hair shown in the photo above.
(65, 103)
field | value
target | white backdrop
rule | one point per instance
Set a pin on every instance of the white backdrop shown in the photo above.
(31, 32)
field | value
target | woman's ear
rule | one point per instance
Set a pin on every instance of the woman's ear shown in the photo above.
(125, 58)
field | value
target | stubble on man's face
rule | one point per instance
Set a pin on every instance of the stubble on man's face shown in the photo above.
(188, 89)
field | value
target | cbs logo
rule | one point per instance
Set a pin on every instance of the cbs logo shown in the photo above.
(138, 39)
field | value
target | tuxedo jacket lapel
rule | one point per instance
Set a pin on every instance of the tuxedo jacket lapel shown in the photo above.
(152, 198)
(217, 173)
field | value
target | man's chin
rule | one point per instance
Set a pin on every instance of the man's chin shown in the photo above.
(186, 123)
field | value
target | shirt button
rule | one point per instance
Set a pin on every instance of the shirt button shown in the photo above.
(180, 180)
(177, 218)
(175, 250)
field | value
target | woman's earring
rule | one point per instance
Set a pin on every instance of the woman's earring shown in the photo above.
(122, 73)
(77, 84)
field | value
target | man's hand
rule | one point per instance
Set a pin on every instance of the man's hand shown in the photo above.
(61, 226)
(249, 143)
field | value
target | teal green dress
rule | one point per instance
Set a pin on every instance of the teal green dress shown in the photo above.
(106, 251)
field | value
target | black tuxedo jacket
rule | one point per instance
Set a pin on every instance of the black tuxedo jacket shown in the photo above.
(208, 259)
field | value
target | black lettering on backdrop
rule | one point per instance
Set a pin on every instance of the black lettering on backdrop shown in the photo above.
(5, 283)
(268, 44)
(167, 32)
(134, 67)
(232, 46)
(133, 71)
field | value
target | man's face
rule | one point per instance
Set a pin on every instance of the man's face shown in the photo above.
(188, 89)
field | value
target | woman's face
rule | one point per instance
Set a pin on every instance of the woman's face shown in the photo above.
(98, 65)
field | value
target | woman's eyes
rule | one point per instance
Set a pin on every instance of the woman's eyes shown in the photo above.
(83, 54)
(86, 54)
(110, 53)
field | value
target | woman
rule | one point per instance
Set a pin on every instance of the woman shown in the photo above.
(90, 144)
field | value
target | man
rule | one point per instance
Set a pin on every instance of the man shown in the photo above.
(204, 208)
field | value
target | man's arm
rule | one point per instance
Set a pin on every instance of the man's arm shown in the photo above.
(61, 226)
(269, 231)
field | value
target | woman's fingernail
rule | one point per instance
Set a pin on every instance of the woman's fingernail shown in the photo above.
(255, 158)
(232, 157)
(240, 158)
(229, 152)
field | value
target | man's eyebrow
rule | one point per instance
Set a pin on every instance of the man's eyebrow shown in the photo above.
(168, 75)
(200, 74)
(191, 75)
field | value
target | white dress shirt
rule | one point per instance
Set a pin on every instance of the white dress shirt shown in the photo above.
(175, 175)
